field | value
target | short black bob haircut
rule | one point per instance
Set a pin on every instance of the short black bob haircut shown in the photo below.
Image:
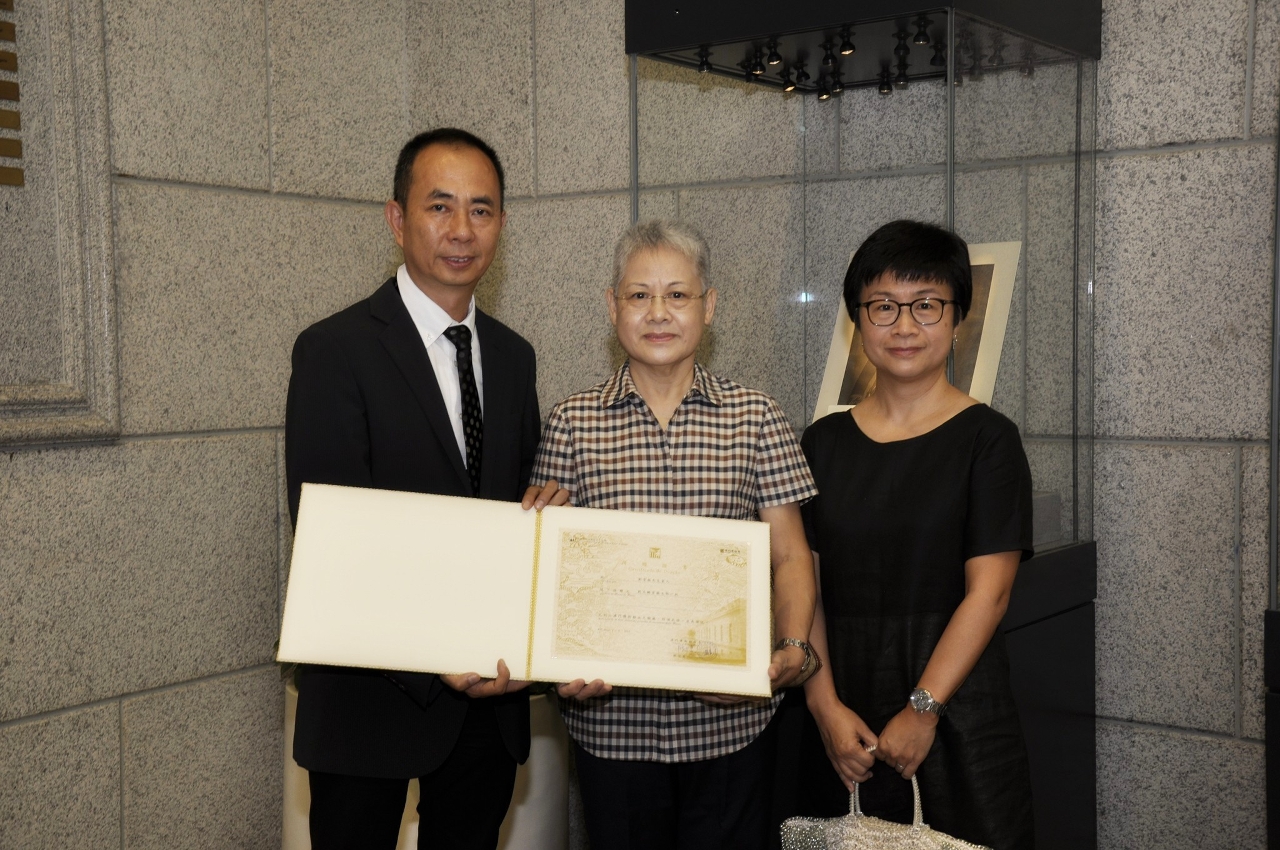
(441, 136)
(911, 251)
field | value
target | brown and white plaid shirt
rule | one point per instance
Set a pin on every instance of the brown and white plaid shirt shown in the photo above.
(728, 451)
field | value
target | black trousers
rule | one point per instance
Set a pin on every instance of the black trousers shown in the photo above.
(462, 805)
(722, 802)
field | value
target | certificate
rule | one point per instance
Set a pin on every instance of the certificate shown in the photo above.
(408, 581)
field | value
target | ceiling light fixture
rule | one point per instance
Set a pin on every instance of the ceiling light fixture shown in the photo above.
(922, 31)
(996, 59)
(901, 51)
(939, 59)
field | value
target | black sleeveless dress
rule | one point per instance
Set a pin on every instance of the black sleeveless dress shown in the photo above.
(894, 524)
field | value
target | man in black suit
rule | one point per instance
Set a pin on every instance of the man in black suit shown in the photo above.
(392, 393)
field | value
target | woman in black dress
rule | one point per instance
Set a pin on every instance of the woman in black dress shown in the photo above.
(923, 516)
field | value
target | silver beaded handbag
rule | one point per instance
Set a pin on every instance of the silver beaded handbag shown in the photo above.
(858, 831)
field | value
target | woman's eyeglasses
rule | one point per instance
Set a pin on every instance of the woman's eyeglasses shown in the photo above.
(640, 301)
(926, 311)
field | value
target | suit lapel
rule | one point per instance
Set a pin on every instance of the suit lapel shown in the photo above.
(498, 386)
(403, 342)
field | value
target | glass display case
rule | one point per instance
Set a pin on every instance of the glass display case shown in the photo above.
(787, 184)
(788, 145)
(1022, 170)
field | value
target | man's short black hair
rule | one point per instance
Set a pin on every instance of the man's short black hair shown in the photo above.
(911, 251)
(441, 136)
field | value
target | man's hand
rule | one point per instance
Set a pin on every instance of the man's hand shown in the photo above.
(549, 495)
(474, 685)
(580, 689)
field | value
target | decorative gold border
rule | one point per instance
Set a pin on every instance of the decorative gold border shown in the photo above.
(533, 594)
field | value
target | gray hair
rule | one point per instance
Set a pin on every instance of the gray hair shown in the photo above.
(655, 233)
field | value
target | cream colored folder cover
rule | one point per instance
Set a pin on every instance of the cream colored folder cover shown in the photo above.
(408, 581)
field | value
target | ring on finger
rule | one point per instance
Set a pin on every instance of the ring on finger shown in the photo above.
(871, 749)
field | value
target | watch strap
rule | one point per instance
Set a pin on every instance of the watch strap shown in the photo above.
(812, 663)
(921, 701)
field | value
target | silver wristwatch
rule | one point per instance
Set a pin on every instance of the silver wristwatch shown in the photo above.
(922, 701)
(812, 663)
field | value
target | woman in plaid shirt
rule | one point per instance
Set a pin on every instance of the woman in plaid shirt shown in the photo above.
(658, 768)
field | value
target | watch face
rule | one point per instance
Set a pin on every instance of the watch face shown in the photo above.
(921, 701)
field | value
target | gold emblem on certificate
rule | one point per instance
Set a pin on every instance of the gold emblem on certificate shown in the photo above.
(651, 599)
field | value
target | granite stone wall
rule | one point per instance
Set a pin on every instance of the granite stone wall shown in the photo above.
(242, 152)
(1187, 122)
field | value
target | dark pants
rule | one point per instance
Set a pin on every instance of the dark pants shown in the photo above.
(722, 802)
(462, 803)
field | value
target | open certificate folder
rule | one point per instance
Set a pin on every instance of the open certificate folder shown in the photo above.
(439, 584)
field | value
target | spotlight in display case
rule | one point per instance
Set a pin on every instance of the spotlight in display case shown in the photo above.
(922, 31)
(891, 33)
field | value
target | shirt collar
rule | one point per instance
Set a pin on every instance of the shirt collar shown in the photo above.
(705, 383)
(429, 318)
(621, 386)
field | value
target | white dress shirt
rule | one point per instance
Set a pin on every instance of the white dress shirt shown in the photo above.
(431, 321)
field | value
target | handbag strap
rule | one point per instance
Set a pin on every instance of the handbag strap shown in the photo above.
(855, 805)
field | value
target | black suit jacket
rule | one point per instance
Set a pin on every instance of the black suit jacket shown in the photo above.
(365, 410)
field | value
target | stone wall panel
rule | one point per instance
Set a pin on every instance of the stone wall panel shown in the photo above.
(188, 88)
(214, 287)
(134, 566)
(203, 764)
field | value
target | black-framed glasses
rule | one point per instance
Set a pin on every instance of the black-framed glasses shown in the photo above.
(926, 311)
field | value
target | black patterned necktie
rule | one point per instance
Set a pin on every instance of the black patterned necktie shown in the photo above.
(472, 419)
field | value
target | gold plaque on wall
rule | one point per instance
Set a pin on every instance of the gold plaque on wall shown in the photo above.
(11, 177)
(10, 120)
(11, 148)
(8, 91)
(7, 31)
(8, 61)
